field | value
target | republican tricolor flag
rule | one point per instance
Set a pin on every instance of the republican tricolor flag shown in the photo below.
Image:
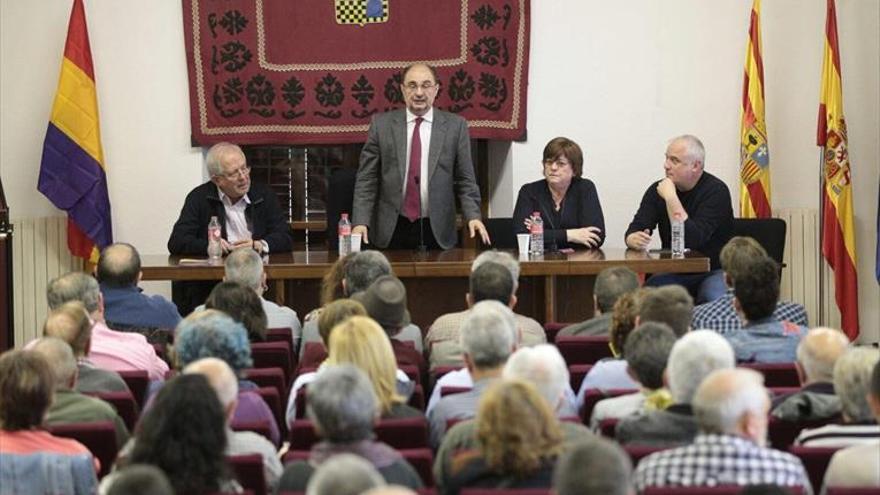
(754, 191)
(72, 173)
(838, 234)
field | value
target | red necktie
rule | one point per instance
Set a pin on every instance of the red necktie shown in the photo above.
(412, 198)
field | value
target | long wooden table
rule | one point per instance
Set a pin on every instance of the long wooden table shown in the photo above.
(554, 287)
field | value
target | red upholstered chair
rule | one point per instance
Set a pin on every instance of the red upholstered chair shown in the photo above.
(249, 472)
(607, 427)
(273, 400)
(776, 374)
(638, 452)
(302, 435)
(780, 391)
(506, 491)
(783, 433)
(423, 462)
(99, 437)
(403, 433)
(576, 373)
(258, 427)
(850, 491)
(274, 355)
(444, 391)
(816, 460)
(417, 399)
(313, 354)
(280, 334)
(125, 406)
(268, 377)
(295, 455)
(592, 397)
(411, 370)
(708, 490)
(551, 328)
(138, 382)
(583, 350)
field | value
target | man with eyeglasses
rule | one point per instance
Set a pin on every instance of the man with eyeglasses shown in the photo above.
(415, 163)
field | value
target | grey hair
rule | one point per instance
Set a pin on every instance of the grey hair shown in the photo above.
(725, 395)
(593, 466)
(488, 334)
(342, 404)
(219, 375)
(363, 269)
(74, 286)
(647, 351)
(344, 474)
(695, 149)
(245, 266)
(214, 158)
(544, 367)
(819, 350)
(611, 283)
(502, 258)
(60, 357)
(852, 382)
(693, 357)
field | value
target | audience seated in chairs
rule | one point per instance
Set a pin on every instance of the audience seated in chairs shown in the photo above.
(817, 353)
(543, 367)
(332, 288)
(360, 271)
(70, 322)
(125, 305)
(211, 333)
(646, 351)
(242, 305)
(140, 479)
(693, 357)
(763, 338)
(331, 315)
(68, 405)
(594, 466)
(492, 284)
(184, 435)
(112, 350)
(385, 302)
(611, 373)
(360, 342)
(225, 385)
(35, 461)
(488, 337)
(344, 408)
(736, 258)
(611, 283)
(518, 442)
(344, 474)
(859, 465)
(731, 407)
(852, 382)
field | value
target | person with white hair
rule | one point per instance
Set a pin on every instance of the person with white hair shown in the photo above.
(693, 357)
(344, 474)
(817, 353)
(224, 382)
(484, 284)
(488, 337)
(852, 382)
(543, 367)
(731, 408)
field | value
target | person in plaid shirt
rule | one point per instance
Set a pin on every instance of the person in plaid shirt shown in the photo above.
(737, 258)
(731, 408)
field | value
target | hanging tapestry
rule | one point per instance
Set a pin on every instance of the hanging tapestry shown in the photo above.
(316, 71)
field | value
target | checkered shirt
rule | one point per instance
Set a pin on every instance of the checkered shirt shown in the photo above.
(720, 316)
(720, 460)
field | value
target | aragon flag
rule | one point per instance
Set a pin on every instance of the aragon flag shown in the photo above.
(754, 191)
(72, 174)
(838, 234)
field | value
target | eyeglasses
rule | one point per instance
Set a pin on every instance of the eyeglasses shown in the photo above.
(559, 162)
(412, 86)
(239, 172)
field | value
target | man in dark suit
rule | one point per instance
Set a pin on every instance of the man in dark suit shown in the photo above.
(415, 162)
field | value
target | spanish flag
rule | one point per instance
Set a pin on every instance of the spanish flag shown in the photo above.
(754, 191)
(838, 234)
(72, 173)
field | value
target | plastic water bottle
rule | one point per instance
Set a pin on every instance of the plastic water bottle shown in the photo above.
(536, 242)
(215, 249)
(344, 233)
(677, 236)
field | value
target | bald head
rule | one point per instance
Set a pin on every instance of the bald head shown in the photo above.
(61, 360)
(219, 375)
(119, 265)
(729, 401)
(70, 322)
(818, 351)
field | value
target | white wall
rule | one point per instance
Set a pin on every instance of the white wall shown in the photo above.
(618, 77)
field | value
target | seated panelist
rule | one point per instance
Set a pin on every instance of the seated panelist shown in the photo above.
(568, 203)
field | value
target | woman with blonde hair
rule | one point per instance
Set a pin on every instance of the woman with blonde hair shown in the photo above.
(518, 438)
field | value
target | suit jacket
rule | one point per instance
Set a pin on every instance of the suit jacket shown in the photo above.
(378, 191)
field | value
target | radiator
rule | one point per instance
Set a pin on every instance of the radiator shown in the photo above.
(39, 254)
(803, 258)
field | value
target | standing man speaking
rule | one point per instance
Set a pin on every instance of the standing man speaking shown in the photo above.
(415, 162)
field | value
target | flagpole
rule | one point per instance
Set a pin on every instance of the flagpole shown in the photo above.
(821, 319)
